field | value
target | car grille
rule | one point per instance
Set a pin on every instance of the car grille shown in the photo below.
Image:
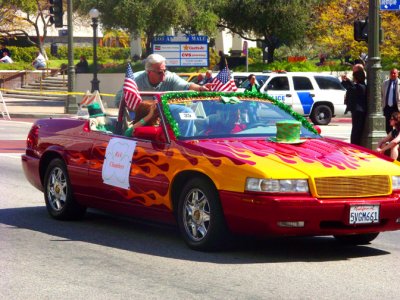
(357, 186)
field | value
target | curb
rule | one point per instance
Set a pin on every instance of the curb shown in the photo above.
(341, 120)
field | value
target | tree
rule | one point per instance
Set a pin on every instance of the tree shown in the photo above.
(18, 16)
(152, 17)
(273, 23)
(332, 29)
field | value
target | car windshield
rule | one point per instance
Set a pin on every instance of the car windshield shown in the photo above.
(220, 117)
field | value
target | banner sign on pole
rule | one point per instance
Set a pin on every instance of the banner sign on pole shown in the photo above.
(245, 48)
(390, 4)
(183, 51)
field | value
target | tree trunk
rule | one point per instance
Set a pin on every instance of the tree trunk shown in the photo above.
(270, 54)
(149, 39)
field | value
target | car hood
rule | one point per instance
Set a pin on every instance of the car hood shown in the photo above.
(314, 157)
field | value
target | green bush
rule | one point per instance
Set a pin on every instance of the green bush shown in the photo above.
(103, 53)
(255, 55)
(23, 54)
(113, 60)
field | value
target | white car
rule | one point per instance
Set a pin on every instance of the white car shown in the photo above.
(315, 95)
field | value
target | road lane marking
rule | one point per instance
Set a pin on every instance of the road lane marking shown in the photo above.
(11, 155)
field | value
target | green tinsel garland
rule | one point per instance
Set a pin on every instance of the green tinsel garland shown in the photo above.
(247, 95)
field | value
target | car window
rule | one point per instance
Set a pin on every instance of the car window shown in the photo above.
(328, 83)
(279, 83)
(239, 80)
(194, 79)
(302, 83)
(184, 77)
(260, 80)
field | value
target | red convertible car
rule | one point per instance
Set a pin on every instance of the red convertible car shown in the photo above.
(215, 164)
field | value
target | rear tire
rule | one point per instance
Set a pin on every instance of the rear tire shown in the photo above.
(321, 114)
(356, 239)
(58, 193)
(200, 217)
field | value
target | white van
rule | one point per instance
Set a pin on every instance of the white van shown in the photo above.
(315, 95)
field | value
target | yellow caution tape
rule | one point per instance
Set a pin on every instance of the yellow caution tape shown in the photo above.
(44, 92)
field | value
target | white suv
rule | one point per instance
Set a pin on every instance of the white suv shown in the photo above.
(316, 95)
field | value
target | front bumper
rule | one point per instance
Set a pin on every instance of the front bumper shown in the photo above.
(255, 214)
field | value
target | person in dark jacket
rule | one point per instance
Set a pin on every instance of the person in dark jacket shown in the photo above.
(82, 66)
(222, 60)
(356, 97)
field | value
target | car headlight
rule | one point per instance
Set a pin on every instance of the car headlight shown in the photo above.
(278, 185)
(395, 183)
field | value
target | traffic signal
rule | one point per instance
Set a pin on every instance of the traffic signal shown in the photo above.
(361, 30)
(56, 12)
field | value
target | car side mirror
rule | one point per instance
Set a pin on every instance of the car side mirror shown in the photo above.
(318, 129)
(153, 133)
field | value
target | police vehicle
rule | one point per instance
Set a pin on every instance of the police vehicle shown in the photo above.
(318, 96)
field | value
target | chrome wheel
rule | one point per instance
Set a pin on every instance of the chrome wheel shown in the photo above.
(57, 189)
(200, 216)
(58, 194)
(196, 214)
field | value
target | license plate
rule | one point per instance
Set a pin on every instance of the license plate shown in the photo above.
(364, 214)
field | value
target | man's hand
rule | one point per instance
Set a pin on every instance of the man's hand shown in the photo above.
(209, 86)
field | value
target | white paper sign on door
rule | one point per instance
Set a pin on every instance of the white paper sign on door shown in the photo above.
(117, 162)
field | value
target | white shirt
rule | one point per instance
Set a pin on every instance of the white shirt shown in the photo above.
(6, 59)
(40, 59)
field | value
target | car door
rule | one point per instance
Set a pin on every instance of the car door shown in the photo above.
(304, 94)
(278, 87)
(147, 184)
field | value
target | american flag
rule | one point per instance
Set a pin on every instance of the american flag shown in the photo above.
(131, 93)
(223, 82)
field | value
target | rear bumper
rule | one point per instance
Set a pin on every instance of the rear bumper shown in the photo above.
(30, 165)
(259, 215)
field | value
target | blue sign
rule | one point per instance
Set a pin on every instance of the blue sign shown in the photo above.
(390, 4)
(183, 51)
(193, 39)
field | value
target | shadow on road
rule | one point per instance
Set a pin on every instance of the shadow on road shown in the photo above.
(152, 239)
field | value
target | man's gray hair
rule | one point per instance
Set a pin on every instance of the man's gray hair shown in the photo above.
(153, 59)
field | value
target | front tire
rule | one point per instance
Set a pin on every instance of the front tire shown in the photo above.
(58, 193)
(356, 239)
(321, 115)
(200, 216)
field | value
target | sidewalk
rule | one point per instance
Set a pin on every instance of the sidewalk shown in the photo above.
(28, 108)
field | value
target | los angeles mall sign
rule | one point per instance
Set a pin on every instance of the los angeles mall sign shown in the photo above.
(183, 51)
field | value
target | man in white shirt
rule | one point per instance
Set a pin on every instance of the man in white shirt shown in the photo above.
(390, 97)
(39, 62)
(6, 59)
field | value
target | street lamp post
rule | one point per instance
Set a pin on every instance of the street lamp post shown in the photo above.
(94, 14)
(70, 104)
(375, 122)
